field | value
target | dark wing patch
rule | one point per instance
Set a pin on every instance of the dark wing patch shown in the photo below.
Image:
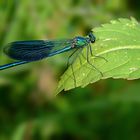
(29, 50)
(35, 50)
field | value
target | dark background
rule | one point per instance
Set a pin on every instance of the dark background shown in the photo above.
(108, 109)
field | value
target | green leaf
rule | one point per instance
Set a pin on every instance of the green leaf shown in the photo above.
(119, 43)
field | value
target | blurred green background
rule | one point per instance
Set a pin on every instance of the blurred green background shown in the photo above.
(108, 109)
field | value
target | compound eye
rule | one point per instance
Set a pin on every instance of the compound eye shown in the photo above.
(92, 41)
(92, 37)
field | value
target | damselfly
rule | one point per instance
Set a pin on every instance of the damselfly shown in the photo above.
(34, 50)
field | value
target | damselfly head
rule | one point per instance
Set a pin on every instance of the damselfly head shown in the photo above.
(92, 38)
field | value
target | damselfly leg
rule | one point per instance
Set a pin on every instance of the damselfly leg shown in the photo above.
(96, 56)
(89, 48)
(69, 62)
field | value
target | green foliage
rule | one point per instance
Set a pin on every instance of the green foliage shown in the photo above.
(108, 109)
(117, 42)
